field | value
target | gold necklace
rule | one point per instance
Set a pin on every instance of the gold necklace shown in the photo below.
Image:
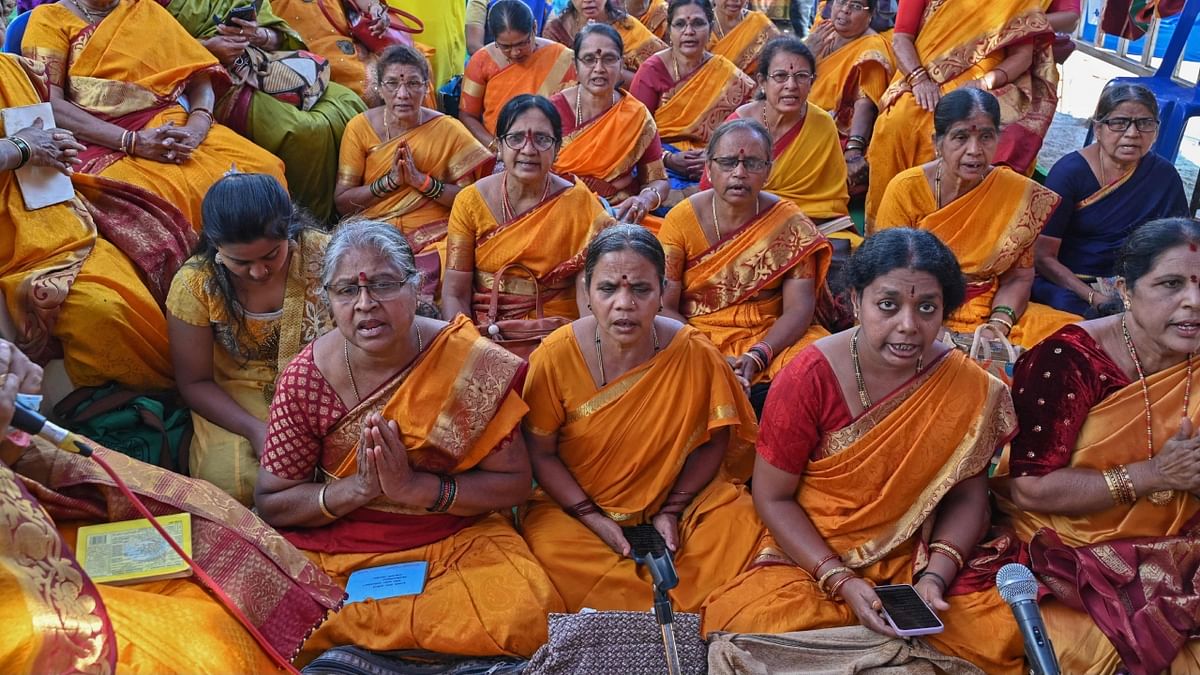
(99, 15)
(937, 184)
(387, 124)
(1161, 497)
(579, 105)
(350, 371)
(600, 352)
(716, 223)
(863, 397)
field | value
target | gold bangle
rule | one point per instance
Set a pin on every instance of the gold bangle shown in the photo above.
(840, 569)
(1120, 486)
(948, 551)
(321, 503)
(1127, 483)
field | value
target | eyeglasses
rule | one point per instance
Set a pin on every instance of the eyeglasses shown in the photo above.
(1143, 124)
(801, 77)
(392, 86)
(752, 164)
(379, 291)
(517, 140)
(509, 47)
(608, 60)
(850, 5)
(694, 24)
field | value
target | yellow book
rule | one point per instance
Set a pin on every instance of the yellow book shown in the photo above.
(133, 551)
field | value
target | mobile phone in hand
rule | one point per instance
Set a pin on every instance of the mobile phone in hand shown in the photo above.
(243, 12)
(906, 612)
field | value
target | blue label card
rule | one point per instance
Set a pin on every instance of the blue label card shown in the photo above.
(387, 581)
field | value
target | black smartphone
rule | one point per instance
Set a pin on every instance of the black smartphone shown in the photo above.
(644, 540)
(243, 12)
(906, 612)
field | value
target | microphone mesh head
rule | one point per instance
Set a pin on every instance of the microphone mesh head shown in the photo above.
(1016, 583)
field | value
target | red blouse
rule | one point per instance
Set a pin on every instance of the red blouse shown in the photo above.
(1055, 384)
(804, 403)
(304, 410)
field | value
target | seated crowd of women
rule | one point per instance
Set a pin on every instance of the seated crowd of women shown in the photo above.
(680, 237)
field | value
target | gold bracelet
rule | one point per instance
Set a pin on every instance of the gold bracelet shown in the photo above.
(321, 503)
(948, 551)
(1120, 487)
(1127, 484)
(840, 569)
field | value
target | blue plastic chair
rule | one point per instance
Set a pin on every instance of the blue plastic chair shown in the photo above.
(15, 33)
(1176, 103)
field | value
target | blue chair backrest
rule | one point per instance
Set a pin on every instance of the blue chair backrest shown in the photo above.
(1187, 19)
(15, 33)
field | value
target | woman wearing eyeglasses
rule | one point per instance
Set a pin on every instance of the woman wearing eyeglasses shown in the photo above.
(856, 65)
(690, 91)
(237, 312)
(517, 62)
(396, 438)
(1000, 46)
(523, 215)
(610, 141)
(990, 216)
(639, 42)
(1108, 188)
(743, 265)
(739, 33)
(404, 164)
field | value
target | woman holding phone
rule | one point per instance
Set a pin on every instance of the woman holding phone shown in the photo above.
(889, 425)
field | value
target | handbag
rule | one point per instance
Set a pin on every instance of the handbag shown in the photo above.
(401, 28)
(519, 336)
(997, 357)
(296, 77)
(149, 429)
(629, 643)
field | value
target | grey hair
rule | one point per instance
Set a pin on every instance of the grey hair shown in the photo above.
(753, 126)
(375, 236)
(1116, 94)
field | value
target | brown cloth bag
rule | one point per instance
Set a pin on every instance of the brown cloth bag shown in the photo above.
(519, 336)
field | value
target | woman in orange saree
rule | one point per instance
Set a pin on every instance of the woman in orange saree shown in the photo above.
(610, 452)
(941, 45)
(639, 42)
(856, 66)
(989, 216)
(517, 62)
(1102, 478)
(57, 620)
(411, 427)
(409, 174)
(325, 28)
(884, 487)
(524, 215)
(651, 13)
(68, 291)
(752, 287)
(610, 141)
(739, 33)
(115, 80)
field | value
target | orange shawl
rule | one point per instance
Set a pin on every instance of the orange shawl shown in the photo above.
(744, 43)
(693, 109)
(609, 146)
(487, 86)
(861, 67)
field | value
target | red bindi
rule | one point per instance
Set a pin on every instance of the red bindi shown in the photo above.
(1192, 247)
(1194, 279)
(362, 277)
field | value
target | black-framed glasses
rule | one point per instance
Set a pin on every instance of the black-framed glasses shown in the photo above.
(801, 77)
(379, 291)
(695, 24)
(1120, 124)
(851, 5)
(517, 140)
(413, 86)
(752, 164)
(608, 60)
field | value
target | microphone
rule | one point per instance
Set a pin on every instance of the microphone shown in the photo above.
(33, 423)
(1018, 587)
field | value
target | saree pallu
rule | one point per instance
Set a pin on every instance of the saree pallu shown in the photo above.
(306, 140)
(129, 70)
(441, 147)
(605, 151)
(691, 109)
(809, 168)
(655, 18)
(861, 67)
(487, 85)
(625, 446)
(872, 491)
(549, 239)
(639, 42)
(485, 594)
(67, 623)
(991, 229)
(733, 290)
(954, 49)
(1122, 579)
(745, 42)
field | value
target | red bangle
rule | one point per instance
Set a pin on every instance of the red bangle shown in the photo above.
(426, 185)
(583, 508)
(837, 585)
(817, 568)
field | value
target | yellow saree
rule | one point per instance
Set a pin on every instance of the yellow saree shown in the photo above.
(871, 490)
(744, 43)
(861, 67)
(690, 111)
(549, 239)
(655, 18)
(457, 403)
(1157, 532)
(487, 86)
(625, 445)
(991, 230)
(809, 169)
(130, 69)
(733, 290)
(961, 41)
(64, 287)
